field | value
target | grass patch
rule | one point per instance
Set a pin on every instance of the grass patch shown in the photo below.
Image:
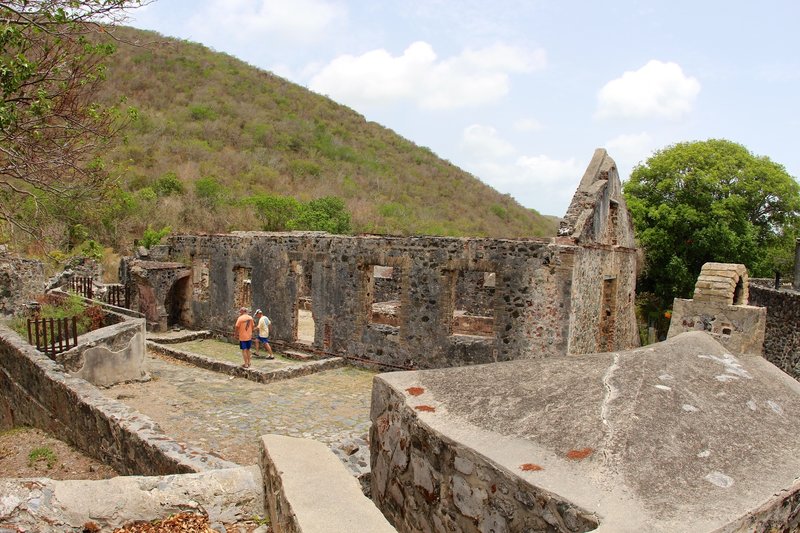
(42, 454)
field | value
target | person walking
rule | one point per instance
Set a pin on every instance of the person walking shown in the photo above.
(243, 330)
(262, 332)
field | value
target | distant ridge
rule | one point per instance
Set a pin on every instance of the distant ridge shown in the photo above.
(216, 130)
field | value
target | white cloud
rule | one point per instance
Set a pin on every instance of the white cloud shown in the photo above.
(528, 124)
(475, 77)
(541, 182)
(658, 89)
(537, 181)
(299, 21)
(483, 141)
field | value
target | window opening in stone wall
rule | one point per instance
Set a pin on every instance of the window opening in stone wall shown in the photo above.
(384, 294)
(304, 326)
(473, 303)
(608, 315)
(243, 290)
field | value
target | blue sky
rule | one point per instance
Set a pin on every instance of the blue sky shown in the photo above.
(521, 92)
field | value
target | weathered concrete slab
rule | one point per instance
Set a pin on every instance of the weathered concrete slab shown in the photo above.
(46, 505)
(678, 436)
(308, 490)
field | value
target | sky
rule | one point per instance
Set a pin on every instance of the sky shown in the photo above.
(521, 92)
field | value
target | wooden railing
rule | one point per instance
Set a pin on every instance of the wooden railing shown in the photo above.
(53, 335)
(116, 294)
(119, 295)
(82, 285)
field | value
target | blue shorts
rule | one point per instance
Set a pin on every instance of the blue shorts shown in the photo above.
(245, 345)
(263, 340)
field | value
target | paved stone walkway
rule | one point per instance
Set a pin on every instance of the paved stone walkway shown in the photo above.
(225, 415)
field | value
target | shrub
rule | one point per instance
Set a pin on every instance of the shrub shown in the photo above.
(274, 211)
(208, 190)
(323, 214)
(303, 167)
(168, 184)
(201, 112)
(153, 237)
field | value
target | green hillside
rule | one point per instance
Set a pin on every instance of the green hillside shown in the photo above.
(213, 131)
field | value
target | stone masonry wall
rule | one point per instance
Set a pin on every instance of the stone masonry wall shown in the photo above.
(533, 303)
(21, 281)
(37, 392)
(782, 335)
(422, 481)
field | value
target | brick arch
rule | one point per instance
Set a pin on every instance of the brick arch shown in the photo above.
(722, 283)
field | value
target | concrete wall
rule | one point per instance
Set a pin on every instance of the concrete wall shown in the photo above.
(307, 490)
(38, 392)
(104, 358)
(423, 481)
(782, 335)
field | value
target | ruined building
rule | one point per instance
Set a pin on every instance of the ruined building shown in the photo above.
(413, 302)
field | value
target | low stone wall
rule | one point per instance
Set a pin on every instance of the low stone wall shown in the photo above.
(307, 489)
(38, 392)
(45, 505)
(740, 328)
(253, 374)
(782, 335)
(423, 481)
(113, 354)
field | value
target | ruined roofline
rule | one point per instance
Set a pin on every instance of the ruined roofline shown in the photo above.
(376, 236)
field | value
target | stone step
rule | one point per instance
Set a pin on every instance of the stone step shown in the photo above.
(298, 356)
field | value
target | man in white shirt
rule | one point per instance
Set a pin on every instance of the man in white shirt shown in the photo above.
(262, 333)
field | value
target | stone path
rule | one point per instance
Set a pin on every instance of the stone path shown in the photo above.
(225, 415)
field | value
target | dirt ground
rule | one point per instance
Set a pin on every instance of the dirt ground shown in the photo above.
(29, 452)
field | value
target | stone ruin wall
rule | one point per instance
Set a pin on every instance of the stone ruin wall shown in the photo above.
(423, 481)
(21, 282)
(534, 301)
(413, 302)
(38, 392)
(782, 335)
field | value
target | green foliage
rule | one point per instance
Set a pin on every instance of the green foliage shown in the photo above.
(499, 211)
(168, 184)
(42, 454)
(52, 128)
(713, 200)
(323, 214)
(393, 210)
(91, 249)
(208, 190)
(201, 112)
(153, 237)
(274, 212)
(303, 167)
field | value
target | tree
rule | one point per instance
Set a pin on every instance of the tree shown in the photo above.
(712, 200)
(328, 213)
(274, 211)
(51, 129)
